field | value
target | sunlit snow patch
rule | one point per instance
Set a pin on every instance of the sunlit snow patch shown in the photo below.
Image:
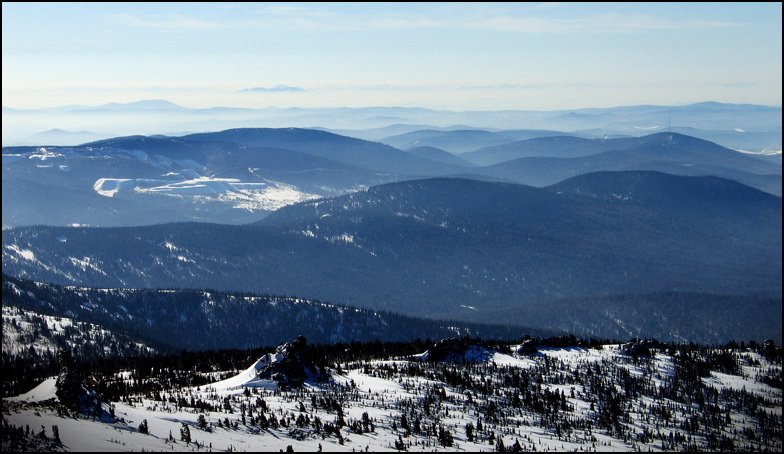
(269, 198)
(43, 154)
(108, 187)
(249, 377)
(250, 196)
(24, 253)
(45, 391)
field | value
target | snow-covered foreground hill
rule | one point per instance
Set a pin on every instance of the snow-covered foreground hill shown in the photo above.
(574, 399)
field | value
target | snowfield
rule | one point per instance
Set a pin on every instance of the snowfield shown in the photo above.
(250, 196)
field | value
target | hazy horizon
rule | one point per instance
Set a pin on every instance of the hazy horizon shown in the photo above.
(391, 106)
(539, 56)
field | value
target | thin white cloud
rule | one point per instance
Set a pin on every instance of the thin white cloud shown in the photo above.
(170, 22)
(606, 23)
(275, 89)
(288, 10)
(292, 17)
(550, 5)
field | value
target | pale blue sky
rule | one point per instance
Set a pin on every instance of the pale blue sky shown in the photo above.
(445, 56)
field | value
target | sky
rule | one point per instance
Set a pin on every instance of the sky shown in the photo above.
(539, 56)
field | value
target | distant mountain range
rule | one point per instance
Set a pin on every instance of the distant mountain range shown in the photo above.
(561, 146)
(369, 155)
(439, 155)
(740, 126)
(240, 175)
(615, 235)
(661, 146)
(462, 249)
(459, 141)
(545, 161)
(146, 180)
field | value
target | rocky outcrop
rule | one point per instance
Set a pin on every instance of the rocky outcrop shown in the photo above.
(290, 365)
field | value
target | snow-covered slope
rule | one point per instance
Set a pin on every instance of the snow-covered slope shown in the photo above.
(44, 391)
(562, 399)
(25, 331)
